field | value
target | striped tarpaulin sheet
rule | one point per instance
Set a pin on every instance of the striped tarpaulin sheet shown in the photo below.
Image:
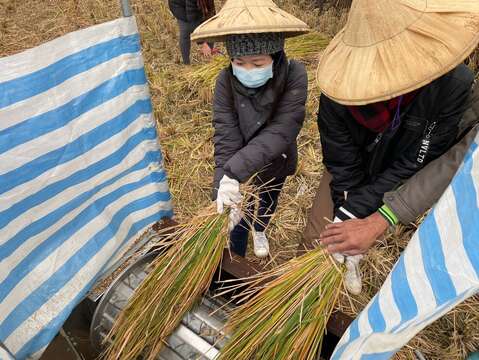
(81, 174)
(4, 353)
(438, 270)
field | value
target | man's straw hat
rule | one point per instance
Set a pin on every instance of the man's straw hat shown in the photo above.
(249, 17)
(391, 47)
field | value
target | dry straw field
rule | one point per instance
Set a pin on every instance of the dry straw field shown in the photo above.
(181, 97)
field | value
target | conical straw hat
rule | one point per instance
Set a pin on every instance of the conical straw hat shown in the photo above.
(391, 47)
(249, 17)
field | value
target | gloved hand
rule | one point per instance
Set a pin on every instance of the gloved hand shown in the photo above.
(228, 194)
(352, 279)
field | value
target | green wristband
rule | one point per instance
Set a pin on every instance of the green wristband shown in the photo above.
(388, 214)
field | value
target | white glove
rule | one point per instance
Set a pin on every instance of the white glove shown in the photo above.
(352, 279)
(235, 217)
(228, 193)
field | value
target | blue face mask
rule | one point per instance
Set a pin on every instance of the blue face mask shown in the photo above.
(254, 78)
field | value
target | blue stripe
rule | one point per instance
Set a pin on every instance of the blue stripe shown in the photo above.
(46, 335)
(338, 352)
(353, 335)
(375, 317)
(24, 87)
(467, 207)
(432, 316)
(52, 120)
(49, 245)
(402, 293)
(354, 330)
(70, 151)
(435, 262)
(403, 298)
(50, 219)
(78, 177)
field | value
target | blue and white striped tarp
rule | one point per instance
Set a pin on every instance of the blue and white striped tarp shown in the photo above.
(81, 174)
(438, 270)
(4, 353)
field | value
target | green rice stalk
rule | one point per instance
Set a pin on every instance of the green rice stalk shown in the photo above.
(179, 278)
(286, 310)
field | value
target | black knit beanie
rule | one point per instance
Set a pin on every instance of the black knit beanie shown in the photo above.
(254, 44)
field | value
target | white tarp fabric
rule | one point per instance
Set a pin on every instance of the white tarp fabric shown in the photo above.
(5, 354)
(81, 174)
(438, 270)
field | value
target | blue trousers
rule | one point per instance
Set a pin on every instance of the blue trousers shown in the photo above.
(268, 201)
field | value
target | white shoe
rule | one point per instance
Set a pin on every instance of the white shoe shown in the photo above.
(352, 278)
(261, 245)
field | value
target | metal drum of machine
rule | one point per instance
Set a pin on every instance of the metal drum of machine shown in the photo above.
(198, 336)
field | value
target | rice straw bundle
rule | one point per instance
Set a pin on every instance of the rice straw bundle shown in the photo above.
(179, 278)
(287, 318)
(306, 46)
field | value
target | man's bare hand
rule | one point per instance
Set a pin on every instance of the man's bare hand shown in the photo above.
(353, 237)
(205, 49)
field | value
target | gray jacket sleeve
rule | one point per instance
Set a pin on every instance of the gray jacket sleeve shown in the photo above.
(423, 190)
(226, 125)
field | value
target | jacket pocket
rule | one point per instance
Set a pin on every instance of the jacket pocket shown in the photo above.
(415, 124)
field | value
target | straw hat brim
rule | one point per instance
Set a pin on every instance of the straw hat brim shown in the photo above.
(235, 20)
(432, 46)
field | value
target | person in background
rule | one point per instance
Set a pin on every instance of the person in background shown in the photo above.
(190, 14)
(258, 111)
(394, 91)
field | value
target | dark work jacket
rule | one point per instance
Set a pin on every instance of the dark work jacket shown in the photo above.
(255, 132)
(424, 189)
(364, 165)
(188, 10)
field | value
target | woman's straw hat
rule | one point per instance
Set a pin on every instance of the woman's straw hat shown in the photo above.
(249, 17)
(391, 47)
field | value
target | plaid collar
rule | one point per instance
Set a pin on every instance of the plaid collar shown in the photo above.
(378, 117)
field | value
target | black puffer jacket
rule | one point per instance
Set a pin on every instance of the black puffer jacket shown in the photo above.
(366, 165)
(256, 131)
(186, 10)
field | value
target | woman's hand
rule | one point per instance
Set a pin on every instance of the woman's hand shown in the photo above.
(355, 236)
(228, 193)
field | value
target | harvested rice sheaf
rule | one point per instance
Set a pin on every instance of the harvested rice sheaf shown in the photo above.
(180, 275)
(286, 310)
